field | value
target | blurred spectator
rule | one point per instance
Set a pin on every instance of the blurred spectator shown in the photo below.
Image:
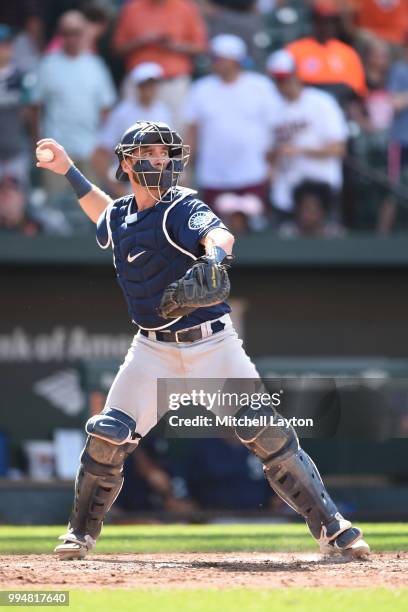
(73, 94)
(144, 106)
(378, 102)
(96, 24)
(28, 45)
(371, 117)
(240, 212)
(388, 19)
(289, 20)
(16, 13)
(312, 207)
(241, 18)
(374, 113)
(223, 475)
(309, 133)
(168, 32)
(98, 18)
(153, 480)
(323, 60)
(390, 214)
(377, 60)
(13, 101)
(398, 87)
(13, 213)
(101, 17)
(228, 116)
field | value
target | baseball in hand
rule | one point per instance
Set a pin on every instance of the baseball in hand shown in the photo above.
(44, 155)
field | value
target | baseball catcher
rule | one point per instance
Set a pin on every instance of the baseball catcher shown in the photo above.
(171, 254)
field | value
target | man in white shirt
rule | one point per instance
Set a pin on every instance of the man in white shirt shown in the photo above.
(73, 94)
(227, 116)
(309, 134)
(143, 106)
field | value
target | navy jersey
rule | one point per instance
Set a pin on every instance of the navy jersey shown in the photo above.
(154, 247)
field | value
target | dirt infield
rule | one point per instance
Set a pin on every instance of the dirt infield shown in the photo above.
(203, 570)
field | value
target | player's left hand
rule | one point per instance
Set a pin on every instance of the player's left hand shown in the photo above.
(206, 283)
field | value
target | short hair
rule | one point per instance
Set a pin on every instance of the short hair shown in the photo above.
(320, 190)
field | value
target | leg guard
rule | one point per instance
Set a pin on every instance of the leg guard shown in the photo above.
(98, 483)
(100, 474)
(294, 477)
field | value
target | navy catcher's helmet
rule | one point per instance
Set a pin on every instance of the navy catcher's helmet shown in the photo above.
(145, 133)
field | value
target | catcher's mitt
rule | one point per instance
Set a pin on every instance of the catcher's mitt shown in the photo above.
(206, 283)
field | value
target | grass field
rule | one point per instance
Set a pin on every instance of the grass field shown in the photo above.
(198, 538)
(250, 600)
(206, 539)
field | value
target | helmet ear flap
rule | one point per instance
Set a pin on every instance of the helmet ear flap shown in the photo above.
(119, 151)
(120, 175)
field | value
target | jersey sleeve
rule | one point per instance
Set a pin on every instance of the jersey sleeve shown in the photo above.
(192, 221)
(103, 235)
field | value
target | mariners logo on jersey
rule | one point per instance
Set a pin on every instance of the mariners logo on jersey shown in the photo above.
(200, 220)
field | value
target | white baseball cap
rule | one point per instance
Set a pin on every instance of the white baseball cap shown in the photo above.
(146, 72)
(281, 63)
(228, 46)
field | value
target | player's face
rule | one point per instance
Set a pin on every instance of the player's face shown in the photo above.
(158, 154)
(158, 157)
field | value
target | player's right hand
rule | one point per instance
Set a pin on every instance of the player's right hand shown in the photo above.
(61, 162)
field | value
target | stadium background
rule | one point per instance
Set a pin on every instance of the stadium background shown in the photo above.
(309, 303)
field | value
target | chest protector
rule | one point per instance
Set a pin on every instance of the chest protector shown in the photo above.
(145, 259)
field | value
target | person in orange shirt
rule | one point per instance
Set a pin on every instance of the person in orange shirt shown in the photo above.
(387, 19)
(167, 32)
(324, 61)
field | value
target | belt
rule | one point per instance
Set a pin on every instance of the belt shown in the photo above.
(192, 334)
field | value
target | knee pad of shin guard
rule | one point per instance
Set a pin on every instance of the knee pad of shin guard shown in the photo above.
(112, 425)
(264, 440)
(101, 458)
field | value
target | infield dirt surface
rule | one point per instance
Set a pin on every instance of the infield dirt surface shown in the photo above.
(203, 570)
